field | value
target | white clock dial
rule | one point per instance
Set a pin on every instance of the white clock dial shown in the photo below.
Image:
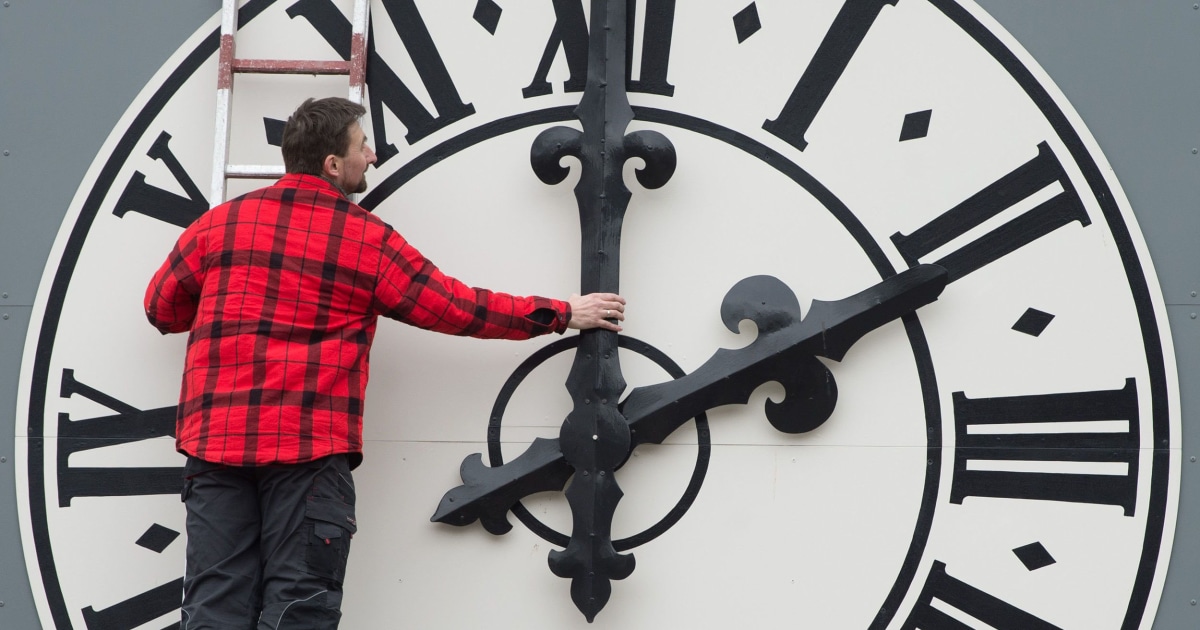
(1007, 457)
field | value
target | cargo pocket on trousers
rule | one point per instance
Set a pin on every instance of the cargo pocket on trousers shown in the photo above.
(333, 525)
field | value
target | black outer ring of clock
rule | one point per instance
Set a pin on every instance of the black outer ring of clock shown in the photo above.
(1135, 277)
(46, 336)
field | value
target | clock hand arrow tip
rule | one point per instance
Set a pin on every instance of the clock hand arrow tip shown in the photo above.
(462, 506)
(845, 321)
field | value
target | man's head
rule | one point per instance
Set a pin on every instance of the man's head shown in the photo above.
(323, 138)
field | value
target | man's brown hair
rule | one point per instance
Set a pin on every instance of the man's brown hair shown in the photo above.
(319, 127)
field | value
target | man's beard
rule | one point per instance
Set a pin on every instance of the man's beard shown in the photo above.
(359, 189)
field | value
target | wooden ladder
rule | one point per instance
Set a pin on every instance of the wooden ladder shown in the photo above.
(229, 65)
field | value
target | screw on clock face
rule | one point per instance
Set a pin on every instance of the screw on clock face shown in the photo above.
(785, 351)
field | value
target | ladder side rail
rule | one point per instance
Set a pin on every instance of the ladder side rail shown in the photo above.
(358, 49)
(224, 101)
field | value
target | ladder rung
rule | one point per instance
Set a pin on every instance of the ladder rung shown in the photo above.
(289, 66)
(254, 171)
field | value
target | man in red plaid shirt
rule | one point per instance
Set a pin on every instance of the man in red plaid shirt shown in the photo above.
(280, 290)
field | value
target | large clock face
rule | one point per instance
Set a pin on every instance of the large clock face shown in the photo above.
(1005, 457)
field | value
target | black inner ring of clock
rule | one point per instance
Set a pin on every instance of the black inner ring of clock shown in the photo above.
(703, 438)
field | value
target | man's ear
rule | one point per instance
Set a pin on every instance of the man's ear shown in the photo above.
(329, 167)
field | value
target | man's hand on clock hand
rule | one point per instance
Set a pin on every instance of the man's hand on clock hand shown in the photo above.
(597, 310)
(784, 351)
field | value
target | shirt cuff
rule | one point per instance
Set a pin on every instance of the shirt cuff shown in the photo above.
(550, 316)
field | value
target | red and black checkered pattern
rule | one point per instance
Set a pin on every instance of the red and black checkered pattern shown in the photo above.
(281, 290)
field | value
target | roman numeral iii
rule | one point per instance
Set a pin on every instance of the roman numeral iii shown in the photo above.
(1046, 430)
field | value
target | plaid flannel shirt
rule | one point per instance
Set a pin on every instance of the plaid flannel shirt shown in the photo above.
(281, 290)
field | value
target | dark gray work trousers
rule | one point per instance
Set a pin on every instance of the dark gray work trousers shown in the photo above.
(266, 546)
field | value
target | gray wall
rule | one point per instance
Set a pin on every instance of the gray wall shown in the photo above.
(1132, 71)
(69, 69)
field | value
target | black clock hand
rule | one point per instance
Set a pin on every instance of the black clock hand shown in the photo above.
(489, 492)
(784, 351)
(595, 437)
(653, 412)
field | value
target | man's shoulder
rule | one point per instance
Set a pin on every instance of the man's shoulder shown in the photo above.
(313, 194)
